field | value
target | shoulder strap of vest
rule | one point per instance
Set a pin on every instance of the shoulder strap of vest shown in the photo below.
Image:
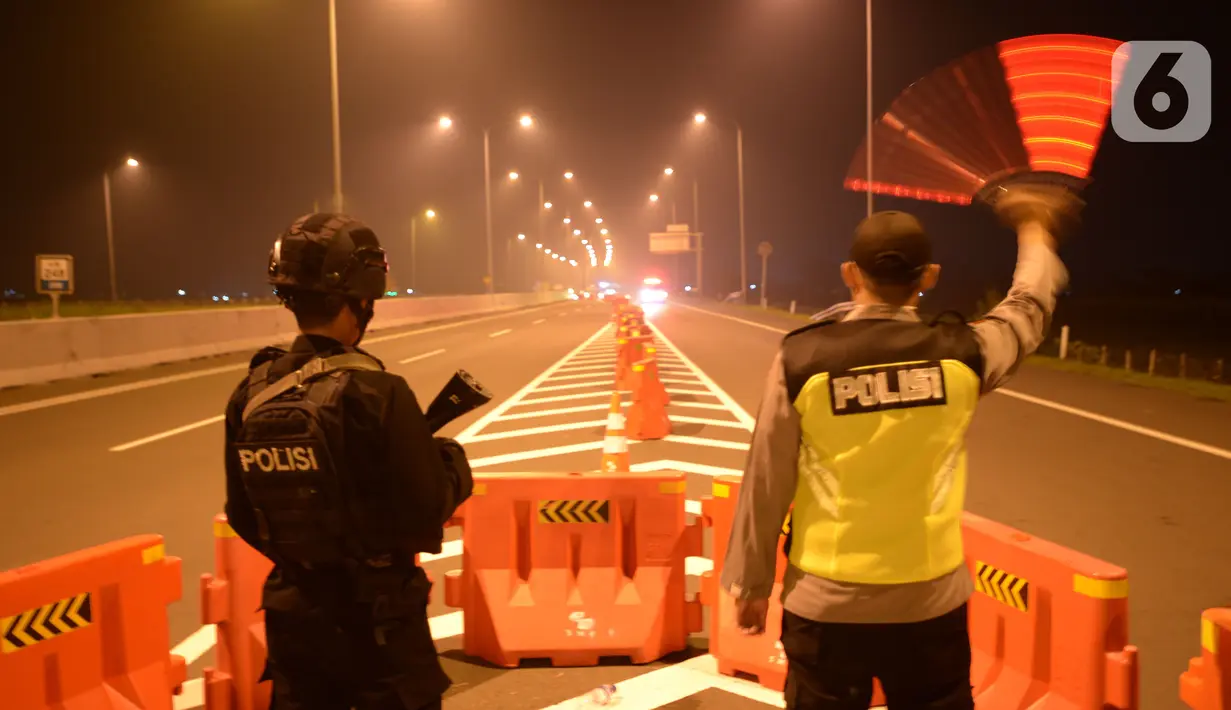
(314, 368)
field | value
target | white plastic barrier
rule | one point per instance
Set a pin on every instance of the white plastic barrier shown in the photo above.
(33, 351)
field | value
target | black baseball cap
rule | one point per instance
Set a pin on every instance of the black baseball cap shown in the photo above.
(892, 248)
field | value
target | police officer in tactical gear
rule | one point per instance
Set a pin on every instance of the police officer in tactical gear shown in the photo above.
(860, 436)
(334, 475)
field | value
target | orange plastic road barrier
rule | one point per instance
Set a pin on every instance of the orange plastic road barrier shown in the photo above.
(573, 568)
(615, 442)
(231, 599)
(647, 417)
(1206, 685)
(1049, 626)
(88, 630)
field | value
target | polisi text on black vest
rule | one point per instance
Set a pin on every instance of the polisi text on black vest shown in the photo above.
(888, 387)
(280, 458)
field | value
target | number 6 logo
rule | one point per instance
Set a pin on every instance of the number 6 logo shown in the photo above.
(1164, 94)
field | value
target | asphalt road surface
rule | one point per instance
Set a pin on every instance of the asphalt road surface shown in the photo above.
(1141, 478)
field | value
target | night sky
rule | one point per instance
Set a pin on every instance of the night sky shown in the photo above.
(226, 104)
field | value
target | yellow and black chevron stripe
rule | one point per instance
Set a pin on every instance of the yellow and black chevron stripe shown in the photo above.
(574, 511)
(45, 622)
(1006, 588)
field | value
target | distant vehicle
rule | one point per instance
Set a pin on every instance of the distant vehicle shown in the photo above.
(652, 291)
(607, 289)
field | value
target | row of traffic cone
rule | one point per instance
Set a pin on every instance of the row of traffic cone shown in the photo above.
(636, 370)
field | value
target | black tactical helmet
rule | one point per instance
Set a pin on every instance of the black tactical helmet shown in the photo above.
(333, 254)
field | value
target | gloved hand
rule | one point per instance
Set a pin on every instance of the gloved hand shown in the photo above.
(1055, 208)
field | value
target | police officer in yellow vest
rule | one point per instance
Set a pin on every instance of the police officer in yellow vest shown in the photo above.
(861, 429)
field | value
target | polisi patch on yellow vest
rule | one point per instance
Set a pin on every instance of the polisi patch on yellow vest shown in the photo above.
(876, 389)
(279, 458)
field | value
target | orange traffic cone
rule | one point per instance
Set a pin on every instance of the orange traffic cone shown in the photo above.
(615, 444)
(647, 417)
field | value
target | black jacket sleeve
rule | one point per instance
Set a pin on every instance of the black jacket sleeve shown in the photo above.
(430, 476)
(238, 508)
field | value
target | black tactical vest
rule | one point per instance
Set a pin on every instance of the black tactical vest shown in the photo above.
(288, 448)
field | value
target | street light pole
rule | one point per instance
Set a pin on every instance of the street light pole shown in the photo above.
(333, 91)
(696, 227)
(414, 249)
(487, 198)
(110, 234)
(868, 29)
(743, 251)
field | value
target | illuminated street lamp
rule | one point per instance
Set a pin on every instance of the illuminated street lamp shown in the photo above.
(521, 237)
(568, 220)
(598, 220)
(668, 171)
(538, 246)
(568, 175)
(429, 215)
(446, 123)
(588, 204)
(577, 232)
(513, 175)
(603, 231)
(130, 162)
(653, 198)
(546, 205)
(700, 118)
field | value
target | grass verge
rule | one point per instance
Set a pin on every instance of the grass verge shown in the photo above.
(1196, 388)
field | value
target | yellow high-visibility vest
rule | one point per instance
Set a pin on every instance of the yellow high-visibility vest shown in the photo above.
(882, 471)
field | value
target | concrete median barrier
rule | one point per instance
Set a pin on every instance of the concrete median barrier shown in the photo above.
(45, 350)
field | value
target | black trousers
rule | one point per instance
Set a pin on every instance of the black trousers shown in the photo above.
(921, 666)
(333, 657)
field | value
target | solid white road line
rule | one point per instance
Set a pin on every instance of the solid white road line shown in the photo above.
(170, 379)
(541, 320)
(605, 381)
(499, 333)
(699, 393)
(754, 324)
(709, 422)
(673, 683)
(709, 383)
(1121, 424)
(686, 467)
(566, 397)
(695, 405)
(169, 433)
(192, 695)
(504, 406)
(532, 431)
(712, 443)
(678, 381)
(582, 376)
(539, 453)
(446, 625)
(584, 368)
(593, 360)
(1057, 406)
(448, 549)
(421, 356)
(195, 646)
(554, 412)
